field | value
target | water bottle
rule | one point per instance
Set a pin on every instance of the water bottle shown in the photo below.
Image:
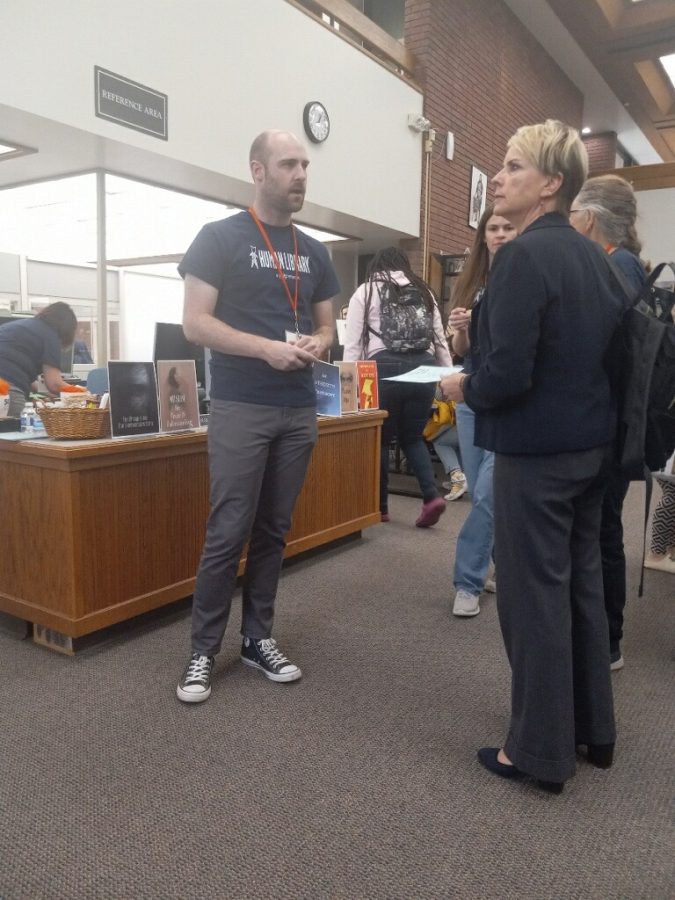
(37, 420)
(27, 418)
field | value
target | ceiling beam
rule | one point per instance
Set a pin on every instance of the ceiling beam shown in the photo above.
(615, 38)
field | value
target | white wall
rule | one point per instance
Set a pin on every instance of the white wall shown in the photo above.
(144, 300)
(231, 68)
(656, 224)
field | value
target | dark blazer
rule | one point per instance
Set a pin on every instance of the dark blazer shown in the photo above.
(544, 326)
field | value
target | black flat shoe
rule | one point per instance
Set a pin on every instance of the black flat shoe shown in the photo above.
(553, 787)
(487, 756)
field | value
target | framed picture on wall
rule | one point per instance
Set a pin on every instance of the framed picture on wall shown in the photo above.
(477, 196)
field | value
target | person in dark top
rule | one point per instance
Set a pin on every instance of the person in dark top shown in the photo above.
(545, 407)
(81, 354)
(258, 293)
(605, 210)
(32, 346)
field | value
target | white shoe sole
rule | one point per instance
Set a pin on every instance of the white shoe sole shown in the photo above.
(464, 614)
(661, 565)
(190, 697)
(617, 665)
(289, 676)
(456, 495)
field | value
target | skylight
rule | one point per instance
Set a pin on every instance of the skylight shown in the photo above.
(668, 63)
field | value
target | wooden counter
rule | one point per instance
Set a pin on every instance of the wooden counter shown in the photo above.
(95, 532)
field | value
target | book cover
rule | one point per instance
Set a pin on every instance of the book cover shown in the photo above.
(367, 384)
(327, 386)
(349, 387)
(178, 399)
(133, 398)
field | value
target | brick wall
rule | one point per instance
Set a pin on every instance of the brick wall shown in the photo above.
(483, 76)
(602, 151)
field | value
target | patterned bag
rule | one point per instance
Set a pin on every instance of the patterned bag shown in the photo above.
(406, 322)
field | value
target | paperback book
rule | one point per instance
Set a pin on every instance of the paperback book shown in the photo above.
(349, 387)
(178, 399)
(367, 384)
(133, 398)
(327, 386)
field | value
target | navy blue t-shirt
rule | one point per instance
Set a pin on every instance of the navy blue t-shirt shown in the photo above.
(231, 255)
(27, 345)
(631, 267)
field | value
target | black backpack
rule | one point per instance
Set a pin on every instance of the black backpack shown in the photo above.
(406, 322)
(641, 364)
(644, 362)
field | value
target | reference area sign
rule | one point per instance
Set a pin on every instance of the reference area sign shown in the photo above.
(130, 104)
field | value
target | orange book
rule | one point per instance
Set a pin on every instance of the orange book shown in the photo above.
(367, 377)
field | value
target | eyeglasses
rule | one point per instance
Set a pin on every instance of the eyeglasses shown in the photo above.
(576, 210)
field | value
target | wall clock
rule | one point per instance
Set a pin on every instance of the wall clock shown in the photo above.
(316, 121)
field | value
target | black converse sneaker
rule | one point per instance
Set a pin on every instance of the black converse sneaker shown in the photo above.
(195, 683)
(266, 656)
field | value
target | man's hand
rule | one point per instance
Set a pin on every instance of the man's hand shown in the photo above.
(312, 343)
(285, 357)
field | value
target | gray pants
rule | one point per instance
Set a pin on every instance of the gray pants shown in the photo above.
(258, 457)
(551, 608)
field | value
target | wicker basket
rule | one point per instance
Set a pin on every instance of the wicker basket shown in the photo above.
(75, 423)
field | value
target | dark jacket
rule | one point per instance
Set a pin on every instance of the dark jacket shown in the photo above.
(543, 330)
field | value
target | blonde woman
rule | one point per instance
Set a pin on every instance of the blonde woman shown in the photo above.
(544, 406)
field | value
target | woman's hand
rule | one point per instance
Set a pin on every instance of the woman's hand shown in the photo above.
(451, 387)
(460, 319)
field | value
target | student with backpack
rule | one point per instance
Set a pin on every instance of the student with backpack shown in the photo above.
(605, 210)
(393, 318)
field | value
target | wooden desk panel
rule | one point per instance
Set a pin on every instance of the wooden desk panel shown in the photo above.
(97, 532)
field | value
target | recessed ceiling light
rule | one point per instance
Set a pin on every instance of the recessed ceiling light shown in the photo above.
(668, 63)
(586, 130)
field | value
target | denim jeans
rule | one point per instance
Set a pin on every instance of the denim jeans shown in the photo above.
(408, 406)
(475, 539)
(446, 446)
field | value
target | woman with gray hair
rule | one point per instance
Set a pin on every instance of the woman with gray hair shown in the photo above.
(544, 406)
(605, 210)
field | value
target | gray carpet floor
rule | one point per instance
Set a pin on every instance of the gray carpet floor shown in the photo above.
(360, 781)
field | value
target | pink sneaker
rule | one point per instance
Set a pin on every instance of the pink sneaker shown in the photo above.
(384, 517)
(431, 512)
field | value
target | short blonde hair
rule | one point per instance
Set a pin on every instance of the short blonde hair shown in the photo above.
(555, 149)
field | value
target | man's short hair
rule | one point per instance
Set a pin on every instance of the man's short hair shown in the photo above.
(260, 149)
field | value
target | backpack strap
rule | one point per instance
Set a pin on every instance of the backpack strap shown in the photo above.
(648, 501)
(653, 276)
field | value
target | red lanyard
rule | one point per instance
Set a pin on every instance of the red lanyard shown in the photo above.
(293, 301)
(610, 248)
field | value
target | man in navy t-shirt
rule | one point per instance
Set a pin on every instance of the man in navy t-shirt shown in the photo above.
(258, 293)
